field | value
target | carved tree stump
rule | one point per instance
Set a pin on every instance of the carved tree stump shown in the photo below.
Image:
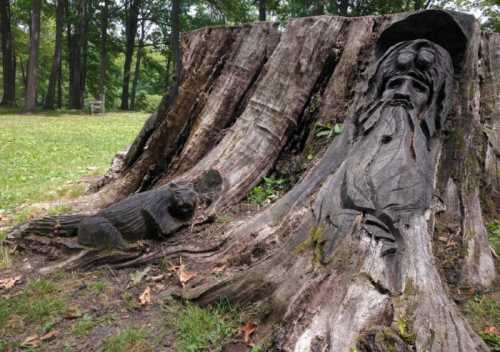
(351, 252)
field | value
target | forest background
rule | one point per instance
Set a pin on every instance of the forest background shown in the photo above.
(64, 54)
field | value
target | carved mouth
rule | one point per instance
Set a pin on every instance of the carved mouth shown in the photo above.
(401, 102)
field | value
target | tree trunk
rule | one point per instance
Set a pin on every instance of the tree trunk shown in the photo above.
(385, 227)
(175, 44)
(32, 69)
(8, 57)
(76, 39)
(84, 43)
(262, 10)
(137, 70)
(103, 64)
(59, 87)
(55, 72)
(131, 26)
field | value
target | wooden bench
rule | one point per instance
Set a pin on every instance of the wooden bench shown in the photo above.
(96, 107)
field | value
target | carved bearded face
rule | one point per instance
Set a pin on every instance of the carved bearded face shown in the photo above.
(408, 86)
(416, 75)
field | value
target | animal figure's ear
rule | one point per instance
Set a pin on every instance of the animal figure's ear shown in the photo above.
(209, 182)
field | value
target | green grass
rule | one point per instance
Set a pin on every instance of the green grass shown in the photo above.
(84, 326)
(40, 153)
(483, 312)
(131, 339)
(38, 304)
(201, 329)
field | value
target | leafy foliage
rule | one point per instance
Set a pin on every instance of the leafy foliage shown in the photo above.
(269, 190)
(328, 130)
(494, 235)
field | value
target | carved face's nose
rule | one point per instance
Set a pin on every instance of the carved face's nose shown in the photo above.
(403, 91)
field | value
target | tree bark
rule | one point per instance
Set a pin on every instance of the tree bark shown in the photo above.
(55, 72)
(32, 69)
(8, 57)
(335, 264)
(131, 30)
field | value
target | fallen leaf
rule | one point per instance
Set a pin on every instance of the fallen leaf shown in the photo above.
(49, 336)
(443, 239)
(491, 330)
(219, 269)
(183, 275)
(247, 331)
(32, 341)
(9, 282)
(145, 297)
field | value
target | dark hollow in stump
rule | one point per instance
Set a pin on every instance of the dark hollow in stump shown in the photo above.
(351, 256)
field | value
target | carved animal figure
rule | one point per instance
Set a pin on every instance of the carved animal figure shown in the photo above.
(152, 214)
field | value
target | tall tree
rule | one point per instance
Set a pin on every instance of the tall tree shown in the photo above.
(76, 37)
(262, 10)
(175, 44)
(131, 32)
(32, 74)
(55, 72)
(8, 57)
(137, 71)
(103, 54)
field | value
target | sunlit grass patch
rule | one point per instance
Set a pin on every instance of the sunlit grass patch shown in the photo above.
(40, 153)
(130, 339)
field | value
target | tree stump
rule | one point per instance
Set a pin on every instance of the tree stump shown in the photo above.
(352, 256)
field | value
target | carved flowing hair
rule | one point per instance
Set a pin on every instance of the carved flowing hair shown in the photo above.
(434, 70)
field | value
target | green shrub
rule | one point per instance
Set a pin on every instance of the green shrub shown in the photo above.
(147, 102)
(494, 235)
(269, 190)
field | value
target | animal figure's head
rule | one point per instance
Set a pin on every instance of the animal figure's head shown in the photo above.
(183, 201)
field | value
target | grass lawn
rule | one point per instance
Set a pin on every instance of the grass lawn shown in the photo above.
(40, 152)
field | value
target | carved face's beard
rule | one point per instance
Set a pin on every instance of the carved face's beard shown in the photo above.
(387, 172)
(387, 118)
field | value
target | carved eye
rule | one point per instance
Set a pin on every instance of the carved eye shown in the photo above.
(425, 58)
(419, 87)
(394, 83)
